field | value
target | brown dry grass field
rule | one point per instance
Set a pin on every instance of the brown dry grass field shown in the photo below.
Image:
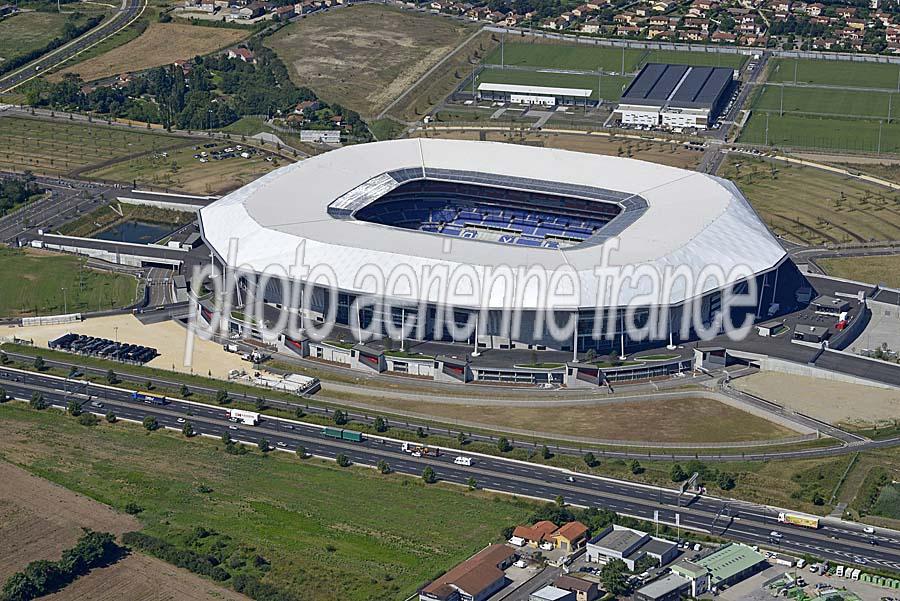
(654, 152)
(669, 420)
(161, 44)
(364, 57)
(39, 519)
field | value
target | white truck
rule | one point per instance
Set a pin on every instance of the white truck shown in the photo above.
(248, 418)
(230, 347)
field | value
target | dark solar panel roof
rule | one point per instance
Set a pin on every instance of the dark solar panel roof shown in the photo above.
(678, 85)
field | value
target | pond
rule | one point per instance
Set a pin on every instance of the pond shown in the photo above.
(137, 232)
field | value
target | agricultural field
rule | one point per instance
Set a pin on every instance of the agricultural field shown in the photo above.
(812, 206)
(364, 57)
(324, 532)
(836, 73)
(610, 86)
(180, 171)
(59, 147)
(31, 284)
(160, 44)
(674, 155)
(29, 507)
(590, 58)
(27, 31)
(885, 270)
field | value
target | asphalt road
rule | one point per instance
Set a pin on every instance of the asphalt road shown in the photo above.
(129, 11)
(744, 522)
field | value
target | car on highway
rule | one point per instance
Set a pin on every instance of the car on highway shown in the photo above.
(869, 530)
(232, 427)
(281, 444)
(775, 534)
(180, 420)
(570, 479)
(97, 404)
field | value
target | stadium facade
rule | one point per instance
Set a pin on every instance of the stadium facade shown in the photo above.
(504, 243)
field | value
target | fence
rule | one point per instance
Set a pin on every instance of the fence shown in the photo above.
(51, 320)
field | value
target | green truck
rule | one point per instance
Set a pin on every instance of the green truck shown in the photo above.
(340, 434)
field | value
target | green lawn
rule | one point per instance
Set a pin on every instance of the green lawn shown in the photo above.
(875, 105)
(589, 58)
(821, 132)
(326, 532)
(837, 73)
(883, 270)
(31, 284)
(611, 86)
(27, 31)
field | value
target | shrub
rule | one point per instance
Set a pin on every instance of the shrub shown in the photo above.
(88, 419)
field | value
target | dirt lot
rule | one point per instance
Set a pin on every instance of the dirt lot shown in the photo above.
(143, 578)
(654, 152)
(365, 56)
(834, 402)
(161, 44)
(39, 519)
(167, 337)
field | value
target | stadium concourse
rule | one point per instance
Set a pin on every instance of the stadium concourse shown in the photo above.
(430, 206)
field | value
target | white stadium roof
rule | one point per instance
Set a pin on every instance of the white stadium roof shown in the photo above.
(689, 218)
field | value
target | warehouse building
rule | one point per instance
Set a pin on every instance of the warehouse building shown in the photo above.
(629, 545)
(676, 96)
(539, 95)
(731, 564)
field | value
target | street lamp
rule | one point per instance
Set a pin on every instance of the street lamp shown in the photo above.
(65, 302)
(116, 330)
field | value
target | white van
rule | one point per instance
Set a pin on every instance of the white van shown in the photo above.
(839, 571)
(463, 460)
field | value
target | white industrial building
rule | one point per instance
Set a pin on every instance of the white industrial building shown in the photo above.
(538, 95)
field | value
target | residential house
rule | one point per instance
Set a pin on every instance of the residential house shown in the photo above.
(584, 590)
(245, 54)
(570, 536)
(533, 535)
(724, 37)
(475, 579)
(591, 26)
(815, 9)
(285, 12)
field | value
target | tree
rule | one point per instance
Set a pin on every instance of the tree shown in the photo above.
(111, 417)
(382, 466)
(678, 474)
(636, 467)
(504, 445)
(37, 401)
(39, 363)
(613, 577)
(589, 459)
(545, 452)
(461, 438)
(428, 475)
(74, 408)
(185, 391)
(221, 397)
(226, 437)
(380, 424)
(187, 429)
(88, 419)
(263, 445)
(3, 358)
(726, 481)
(301, 451)
(471, 483)
(342, 460)
(420, 432)
(560, 501)
(150, 423)
(73, 371)
(111, 377)
(339, 417)
(3, 396)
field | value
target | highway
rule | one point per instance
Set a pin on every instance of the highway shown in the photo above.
(837, 541)
(413, 425)
(130, 11)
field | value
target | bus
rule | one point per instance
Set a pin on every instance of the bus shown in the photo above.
(146, 397)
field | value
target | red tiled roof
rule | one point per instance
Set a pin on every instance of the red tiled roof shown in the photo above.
(474, 574)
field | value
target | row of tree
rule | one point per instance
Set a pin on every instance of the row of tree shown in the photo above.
(39, 578)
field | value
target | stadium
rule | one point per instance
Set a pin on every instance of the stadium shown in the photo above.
(413, 211)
